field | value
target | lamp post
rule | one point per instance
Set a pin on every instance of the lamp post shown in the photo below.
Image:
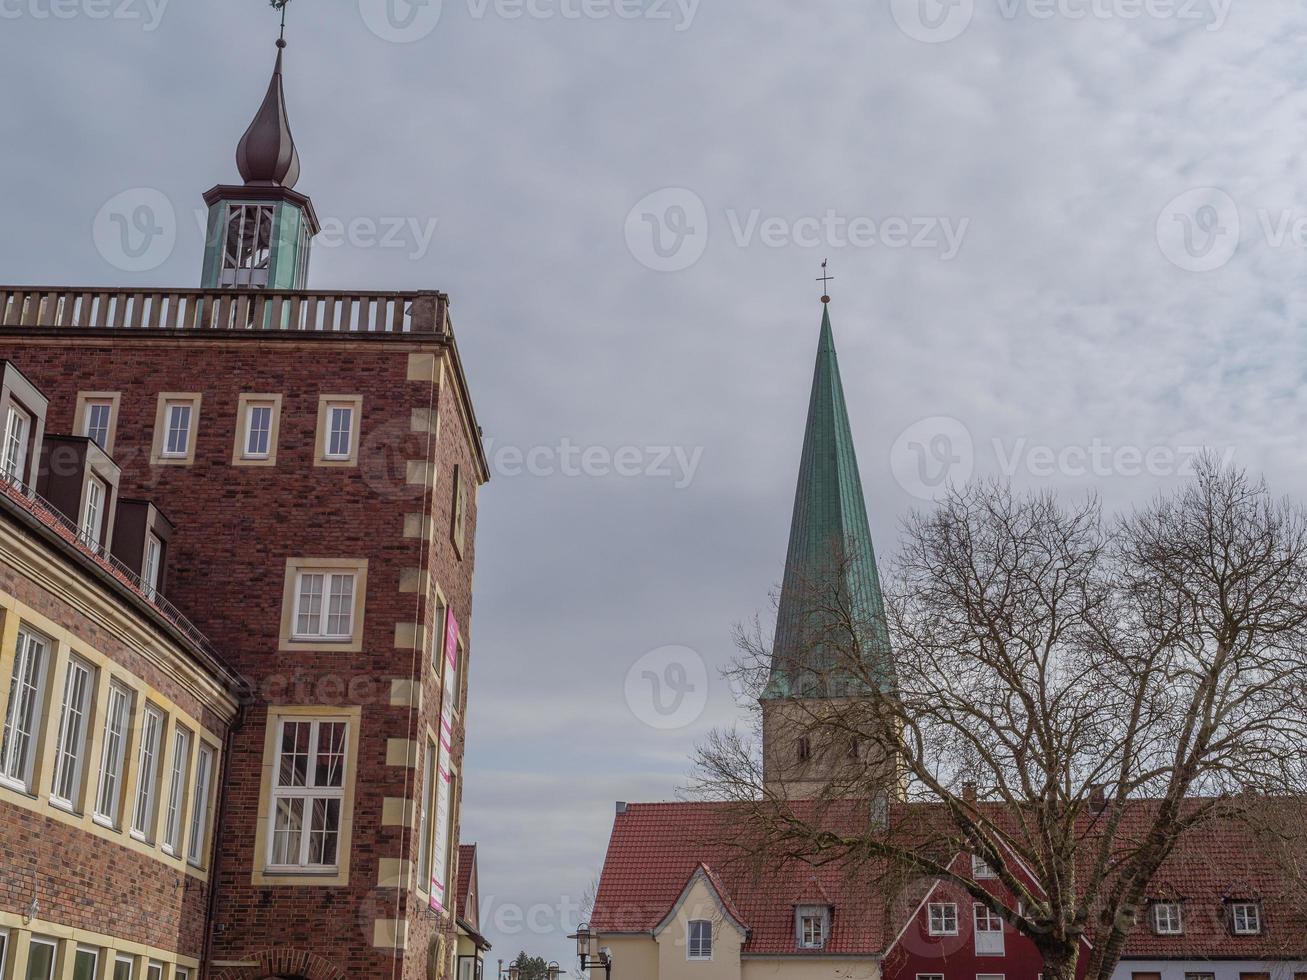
(512, 973)
(589, 953)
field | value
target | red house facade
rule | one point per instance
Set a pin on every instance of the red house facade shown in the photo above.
(951, 936)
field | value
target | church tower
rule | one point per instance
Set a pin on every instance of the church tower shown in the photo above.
(259, 232)
(831, 641)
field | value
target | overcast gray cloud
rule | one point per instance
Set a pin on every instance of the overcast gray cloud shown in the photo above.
(1014, 195)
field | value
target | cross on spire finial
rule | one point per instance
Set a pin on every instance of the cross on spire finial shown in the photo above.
(281, 5)
(825, 279)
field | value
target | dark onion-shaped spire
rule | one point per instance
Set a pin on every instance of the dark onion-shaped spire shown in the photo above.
(267, 154)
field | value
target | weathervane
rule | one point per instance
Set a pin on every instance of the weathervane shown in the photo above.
(825, 279)
(281, 5)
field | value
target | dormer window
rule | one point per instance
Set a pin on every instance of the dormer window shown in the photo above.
(1246, 918)
(93, 512)
(18, 430)
(812, 926)
(1167, 918)
(698, 945)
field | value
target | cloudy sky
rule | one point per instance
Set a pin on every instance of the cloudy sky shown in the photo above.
(1068, 235)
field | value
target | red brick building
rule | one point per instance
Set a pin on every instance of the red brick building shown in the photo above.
(311, 463)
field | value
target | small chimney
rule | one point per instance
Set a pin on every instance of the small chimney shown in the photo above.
(968, 792)
(1098, 798)
(621, 808)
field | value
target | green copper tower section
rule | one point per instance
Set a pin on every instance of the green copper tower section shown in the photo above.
(260, 232)
(831, 562)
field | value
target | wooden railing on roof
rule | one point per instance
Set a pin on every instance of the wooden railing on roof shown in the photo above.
(220, 309)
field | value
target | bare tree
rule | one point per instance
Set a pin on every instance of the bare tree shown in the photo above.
(1073, 695)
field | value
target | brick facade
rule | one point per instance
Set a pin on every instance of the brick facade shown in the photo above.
(235, 529)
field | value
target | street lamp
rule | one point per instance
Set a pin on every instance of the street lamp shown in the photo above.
(552, 970)
(589, 953)
(512, 973)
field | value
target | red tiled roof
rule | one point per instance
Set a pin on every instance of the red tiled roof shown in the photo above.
(656, 848)
(467, 857)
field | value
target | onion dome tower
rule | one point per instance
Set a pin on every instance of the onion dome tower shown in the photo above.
(259, 233)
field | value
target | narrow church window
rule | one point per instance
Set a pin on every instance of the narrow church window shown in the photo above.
(804, 750)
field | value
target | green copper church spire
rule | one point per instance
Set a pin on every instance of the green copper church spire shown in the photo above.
(830, 556)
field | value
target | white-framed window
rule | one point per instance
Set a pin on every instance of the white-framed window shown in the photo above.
(123, 968)
(147, 775)
(204, 762)
(989, 931)
(113, 751)
(930, 976)
(943, 918)
(997, 976)
(812, 922)
(458, 516)
(258, 430)
(153, 970)
(96, 422)
(698, 940)
(4, 950)
(308, 793)
(340, 431)
(1246, 918)
(438, 638)
(86, 962)
(980, 868)
(181, 762)
(1168, 918)
(150, 566)
(1200, 976)
(93, 512)
(426, 812)
(23, 716)
(70, 755)
(177, 429)
(41, 957)
(18, 427)
(181, 973)
(324, 605)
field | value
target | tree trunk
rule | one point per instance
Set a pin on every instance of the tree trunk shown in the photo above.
(1060, 964)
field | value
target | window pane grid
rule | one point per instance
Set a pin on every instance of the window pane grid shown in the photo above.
(181, 757)
(700, 940)
(23, 714)
(72, 730)
(143, 814)
(111, 756)
(324, 606)
(258, 434)
(340, 431)
(97, 423)
(16, 428)
(200, 805)
(179, 430)
(308, 794)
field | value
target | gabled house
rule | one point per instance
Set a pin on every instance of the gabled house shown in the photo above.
(472, 946)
